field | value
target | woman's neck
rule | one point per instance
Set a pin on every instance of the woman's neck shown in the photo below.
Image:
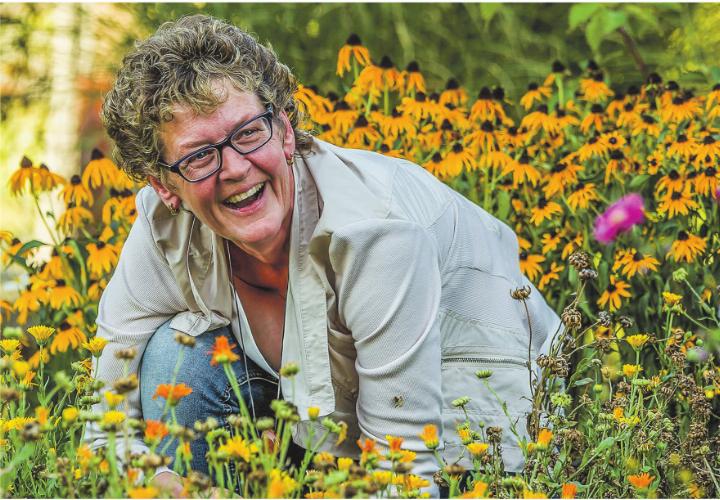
(269, 272)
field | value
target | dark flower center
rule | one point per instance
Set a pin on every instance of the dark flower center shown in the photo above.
(458, 148)
(413, 67)
(353, 39)
(596, 108)
(637, 256)
(386, 62)
(487, 126)
(25, 162)
(96, 154)
(498, 93)
(100, 245)
(682, 236)
(532, 86)
(452, 84)
(75, 180)
(485, 94)
(558, 67)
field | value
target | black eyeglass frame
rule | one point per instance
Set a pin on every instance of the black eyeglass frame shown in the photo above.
(219, 146)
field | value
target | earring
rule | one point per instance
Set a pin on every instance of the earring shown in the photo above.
(173, 210)
(291, 161)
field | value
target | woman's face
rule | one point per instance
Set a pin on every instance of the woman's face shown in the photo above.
(260, 228)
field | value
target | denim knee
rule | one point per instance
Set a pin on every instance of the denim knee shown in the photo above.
(212, 394)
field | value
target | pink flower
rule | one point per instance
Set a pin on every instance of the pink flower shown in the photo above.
(619, 217)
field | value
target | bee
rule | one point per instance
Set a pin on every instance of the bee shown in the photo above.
(398, 401)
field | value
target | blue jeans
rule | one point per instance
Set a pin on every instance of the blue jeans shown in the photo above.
(212, 394)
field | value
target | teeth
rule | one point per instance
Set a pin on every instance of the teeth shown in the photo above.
(247, 194)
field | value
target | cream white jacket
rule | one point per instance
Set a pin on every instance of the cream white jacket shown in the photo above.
(399, 291)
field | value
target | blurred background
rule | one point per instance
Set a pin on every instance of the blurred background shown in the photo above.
(57, 60)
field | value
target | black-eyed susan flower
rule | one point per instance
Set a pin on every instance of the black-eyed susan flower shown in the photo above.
(572, 246)
(534, 93)
(485, 107)
(354, 49)
(75, 192)
(540, 119)
(677, 203)
(23, 177)
(522, 171)
(99, 171)
(453, 94)
(647, 125)
(594, 120)
(707, 181)
(551, 240)
(74, 218)
(552, 274)
(681, 108)
(458, 158)
(595, 89)
(67, 336)
(62, 295)
(342, 117)
(562, 174)
(544, 210)
(687, 247)
(634, 262)
(594, 147)
(363, 134)
(565, 119)
(530, 265)
(683, 147)
(614, 294)
(582, 194)
(414, 80)
(29, 301)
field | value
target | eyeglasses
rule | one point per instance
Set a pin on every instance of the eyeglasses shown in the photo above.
(249, 136)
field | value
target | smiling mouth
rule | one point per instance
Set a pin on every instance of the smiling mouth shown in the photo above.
(247, 198)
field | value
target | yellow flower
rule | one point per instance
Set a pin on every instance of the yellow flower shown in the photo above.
(613, 295)
(637, 341)
(95, 346)
(143, 492)
(640, 481)
(41, 333)
(9, 346)
(102, 257)
(344, 463)
(631, 370)
(313, 412)
(477, 449)
(465, 435)
(113, 417)
(20, 368)
(382, 477)
(237, 448)
(478, 491)
(113, 399)
(281, 484)
(544, 438)
(67, 336)
(353, 47)
(671, 299)
(533, 494)
(63, 295)
(41, 414)
(70, 414)
(429, 436)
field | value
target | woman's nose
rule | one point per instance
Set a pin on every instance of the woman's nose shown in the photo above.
(235, 166)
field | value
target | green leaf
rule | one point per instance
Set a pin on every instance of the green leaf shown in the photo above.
(488, 11)
(602, 24)
(604, 445)
(584, 381)
(638, 181)
(644, 15)
(503, 199)
(581, 12)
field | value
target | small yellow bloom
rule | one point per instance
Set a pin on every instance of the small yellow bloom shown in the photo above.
(9, 346)
(21, 368)
(70, 414)
(430, 437)
(671, 299)
(618, 413)
(533, 494)
(631, 370)
(113, 417)
(41, 414)
(95, 346)
(382, 477)
(41, 333)
(479, 490)
(313, 412)
(637, 341)
(113, 399)
(465, 435)
(544, 438)
(143, 492)
(477, 449)
(344, 463)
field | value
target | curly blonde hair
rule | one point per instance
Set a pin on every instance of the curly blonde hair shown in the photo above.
(178, 66)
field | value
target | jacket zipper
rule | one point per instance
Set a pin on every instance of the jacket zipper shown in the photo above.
(512, 361)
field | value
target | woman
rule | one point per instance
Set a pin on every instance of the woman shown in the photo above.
(388, 289)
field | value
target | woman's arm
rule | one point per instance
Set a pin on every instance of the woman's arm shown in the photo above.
(388, 286)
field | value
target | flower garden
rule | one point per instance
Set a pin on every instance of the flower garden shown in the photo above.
(615, 198)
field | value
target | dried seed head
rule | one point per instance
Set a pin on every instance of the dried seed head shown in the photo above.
(588, 274)
(185, 340)
(126, 384)
(520, 293)
(439, 480)
(571, 318)
(580, 260)
(625, 321)
(127, 354)
(8, 394)
(605, 319)
(31, 432)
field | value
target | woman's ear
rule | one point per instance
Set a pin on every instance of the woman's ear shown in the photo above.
(168, 197)
(288, 137)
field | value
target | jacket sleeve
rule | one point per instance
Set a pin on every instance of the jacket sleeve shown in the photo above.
(388, 285)
(140, 297)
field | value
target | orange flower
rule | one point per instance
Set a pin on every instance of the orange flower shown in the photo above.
(544, 438)
(173, 393)
(222, 351)
(155, 430)
(430, 436)
(641, 481)
(394, 443)
(569, 490)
